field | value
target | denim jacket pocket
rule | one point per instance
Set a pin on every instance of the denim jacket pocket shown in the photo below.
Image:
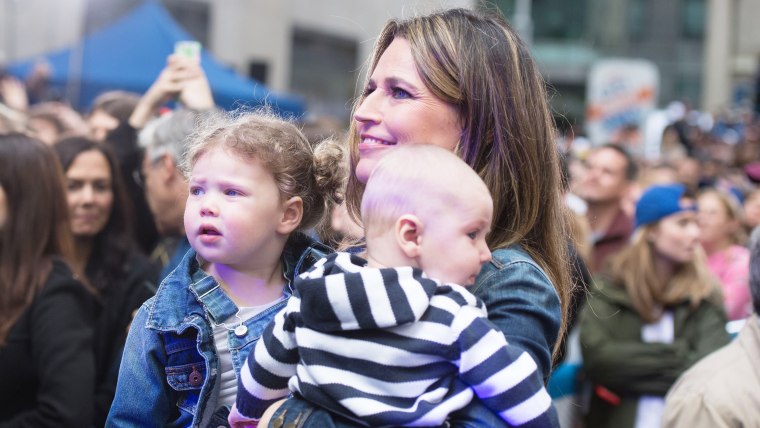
(187, 380)
(185, 369)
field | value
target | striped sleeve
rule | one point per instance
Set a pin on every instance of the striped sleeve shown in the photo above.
(503, 376)
(264, 377)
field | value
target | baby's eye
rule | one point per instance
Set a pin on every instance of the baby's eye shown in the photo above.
(232, 192)
(472, 235)
(195, 190)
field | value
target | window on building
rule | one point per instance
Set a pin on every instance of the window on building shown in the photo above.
(324, 70)
(553, 20)
(636, 19)
(693, 18)
(193, 16)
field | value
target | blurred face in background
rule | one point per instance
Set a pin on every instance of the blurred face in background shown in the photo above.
(752, 209)
(101, 123)
(604, 180)
(3, 207)
(716, 224)
(90, 193)
(676, 237)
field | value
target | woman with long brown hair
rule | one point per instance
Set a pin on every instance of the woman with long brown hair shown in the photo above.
(655, 313)
(465, 81)
(47, 373)
(104, 249)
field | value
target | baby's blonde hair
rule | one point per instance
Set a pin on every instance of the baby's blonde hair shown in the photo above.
(419, 179)
(311, 173)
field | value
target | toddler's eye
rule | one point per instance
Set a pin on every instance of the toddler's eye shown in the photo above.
(472, 235)
(232, 192)
(195, 191)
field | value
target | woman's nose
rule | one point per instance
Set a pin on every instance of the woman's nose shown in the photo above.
(368, 110)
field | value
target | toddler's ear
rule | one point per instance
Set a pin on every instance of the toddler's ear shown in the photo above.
(408, 230)
(292, 213)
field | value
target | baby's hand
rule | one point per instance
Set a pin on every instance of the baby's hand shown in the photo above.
(237, 420)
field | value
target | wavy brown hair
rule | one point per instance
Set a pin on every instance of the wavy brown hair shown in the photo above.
(476, 62)
(37, 226)
(312, 173)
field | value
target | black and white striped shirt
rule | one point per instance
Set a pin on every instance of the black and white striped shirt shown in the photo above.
(389, 347)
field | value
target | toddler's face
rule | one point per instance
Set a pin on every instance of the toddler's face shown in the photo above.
(233, 210)
(454, 247)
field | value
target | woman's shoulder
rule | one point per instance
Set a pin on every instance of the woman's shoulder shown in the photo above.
(61, 277)
(515, 263)
(62, 284)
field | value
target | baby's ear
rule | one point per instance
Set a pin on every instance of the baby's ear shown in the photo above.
(292, 213)
(408, 231)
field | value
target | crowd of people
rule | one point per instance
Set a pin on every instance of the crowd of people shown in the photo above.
(167, 263)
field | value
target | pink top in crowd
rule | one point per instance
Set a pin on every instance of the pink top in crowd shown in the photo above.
(731, 266)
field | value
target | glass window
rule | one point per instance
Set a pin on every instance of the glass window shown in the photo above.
(636, 18)
(324, 70)
(693, 17)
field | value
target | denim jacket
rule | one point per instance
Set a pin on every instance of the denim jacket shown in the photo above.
(170, 369)
(521, 302)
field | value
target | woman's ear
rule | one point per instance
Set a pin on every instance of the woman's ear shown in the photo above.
(408, 230)
(292, 213)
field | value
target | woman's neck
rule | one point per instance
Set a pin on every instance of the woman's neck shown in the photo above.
(665, 270)
(251, 287)
(718, 246)
(82, 251)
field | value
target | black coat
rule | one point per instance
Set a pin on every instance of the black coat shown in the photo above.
(118, 300)
(47, 370)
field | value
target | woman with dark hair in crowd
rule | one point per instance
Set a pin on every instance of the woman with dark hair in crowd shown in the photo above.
(47, 370)
(655, 313)
(105, 252)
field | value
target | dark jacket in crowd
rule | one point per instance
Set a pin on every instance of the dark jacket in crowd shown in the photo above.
(622, 367)
(118, 301)
(47, 369)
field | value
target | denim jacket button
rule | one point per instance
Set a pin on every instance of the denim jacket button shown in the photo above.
(195, 377)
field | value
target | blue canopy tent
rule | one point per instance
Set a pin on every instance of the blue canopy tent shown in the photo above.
(129, 55)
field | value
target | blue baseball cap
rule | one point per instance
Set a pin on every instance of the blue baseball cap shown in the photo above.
(661, 201)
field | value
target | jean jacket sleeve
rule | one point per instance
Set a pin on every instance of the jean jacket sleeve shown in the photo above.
(522, 303)
(142, 393)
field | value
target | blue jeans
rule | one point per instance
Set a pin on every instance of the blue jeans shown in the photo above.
(296, 412)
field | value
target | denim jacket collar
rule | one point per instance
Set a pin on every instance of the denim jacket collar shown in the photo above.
(175, 308)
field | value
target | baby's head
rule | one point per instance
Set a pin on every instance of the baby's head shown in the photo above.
(425, 207)
(263, 172)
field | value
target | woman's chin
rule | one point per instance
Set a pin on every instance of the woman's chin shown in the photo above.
(364, 169)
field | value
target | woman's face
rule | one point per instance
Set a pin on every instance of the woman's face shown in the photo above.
(715, 223)
(752, 210)
(399, 109)
(676, 237)
(3, 208)
(90, 193)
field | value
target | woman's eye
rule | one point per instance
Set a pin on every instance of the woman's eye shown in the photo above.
(400, 93)
(102, 187)
(73, 185)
